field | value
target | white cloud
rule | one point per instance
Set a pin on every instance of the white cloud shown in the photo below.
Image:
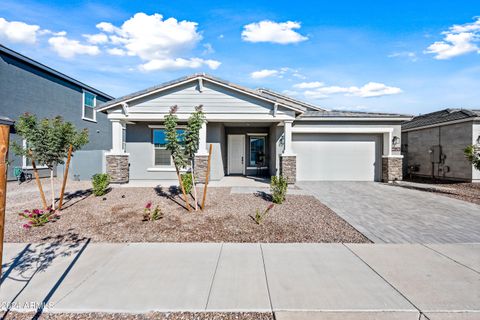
(68, 48)
(161, 43)
(17, 31)
(412, 56)
(457, 41)
(317, 90)
(265, 73)
(98, 38)
(308, 85)
(178, 63)
(270, 31)
(116, 52)
(208, 49)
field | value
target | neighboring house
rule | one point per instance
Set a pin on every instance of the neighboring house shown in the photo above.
(28, 86)
(433, 144)
(253, 132)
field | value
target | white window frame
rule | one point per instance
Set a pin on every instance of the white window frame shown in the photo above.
(171, 165)
(94, 105)
(24, 160)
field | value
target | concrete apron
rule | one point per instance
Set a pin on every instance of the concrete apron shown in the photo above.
(296, 281)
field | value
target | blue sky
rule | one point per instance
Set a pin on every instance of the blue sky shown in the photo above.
(406, 56)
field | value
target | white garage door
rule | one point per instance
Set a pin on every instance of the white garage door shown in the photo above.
(341, 157)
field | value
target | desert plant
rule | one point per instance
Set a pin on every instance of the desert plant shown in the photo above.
(150, 214)
(187, 180)
(473, 155)
(47, 143)
(38, 218)
(100, 183)
(278, 187)
(260, 215)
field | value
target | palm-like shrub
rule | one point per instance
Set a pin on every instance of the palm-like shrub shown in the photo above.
(278, 187)
(100, 183)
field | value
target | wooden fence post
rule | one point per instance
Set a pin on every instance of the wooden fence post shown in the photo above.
(65, 177)
(4, 139)
(206, 178)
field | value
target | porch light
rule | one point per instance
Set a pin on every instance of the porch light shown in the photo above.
(395, 140)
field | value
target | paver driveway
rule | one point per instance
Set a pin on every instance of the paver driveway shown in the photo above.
(390, 214)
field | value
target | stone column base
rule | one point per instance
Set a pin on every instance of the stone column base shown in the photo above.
(118, 168)
(392, 168)
(201, 163)
(288, 168)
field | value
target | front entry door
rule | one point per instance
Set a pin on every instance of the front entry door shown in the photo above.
(236, 154)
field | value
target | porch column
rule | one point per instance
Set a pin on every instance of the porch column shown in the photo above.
(202, 143)
(117, 159)
(201, 157)
(287, 136)
(117, 137)
(288, 161)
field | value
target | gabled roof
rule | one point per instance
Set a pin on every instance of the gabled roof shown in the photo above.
(51, 71)
(291, 104)
(351, 114)
(440, 117)
(280, 96)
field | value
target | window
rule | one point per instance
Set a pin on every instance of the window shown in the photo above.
(162, 156)
(257, 151)
(27, 163)
(89, 103)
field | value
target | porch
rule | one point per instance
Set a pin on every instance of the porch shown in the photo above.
(242, 149)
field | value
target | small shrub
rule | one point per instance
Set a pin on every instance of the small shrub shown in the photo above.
(260, 215)
(100, 182)
(278, 187)
(38, 218)
(150, 214)
(187, 182)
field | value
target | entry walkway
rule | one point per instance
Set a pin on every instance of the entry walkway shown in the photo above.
(306, 281)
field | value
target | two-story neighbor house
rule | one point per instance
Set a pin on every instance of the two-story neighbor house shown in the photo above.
(29, 86)
(251, 131)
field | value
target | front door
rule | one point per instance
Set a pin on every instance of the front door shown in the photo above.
(236, 154)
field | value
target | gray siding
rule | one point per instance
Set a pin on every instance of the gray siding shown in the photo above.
(475, 135)
(453, 139)
(24, 88)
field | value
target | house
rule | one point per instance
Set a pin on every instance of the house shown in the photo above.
(433, 144)
(29, 86)
(251, 132)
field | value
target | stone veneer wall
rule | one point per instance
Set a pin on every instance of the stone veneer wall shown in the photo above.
(392, 169)
(201, 163)
(288, 168)
(117, 168)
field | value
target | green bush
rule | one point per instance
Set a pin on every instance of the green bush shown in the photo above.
(100, 182)
(278, 187)
(187, 182)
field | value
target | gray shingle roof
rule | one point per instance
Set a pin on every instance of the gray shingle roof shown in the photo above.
(51, 71)
(350, 114)
(7, 121)
(441, 116)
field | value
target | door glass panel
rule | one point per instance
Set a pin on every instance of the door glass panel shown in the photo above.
(257, 151)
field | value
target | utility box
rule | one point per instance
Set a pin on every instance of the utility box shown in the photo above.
(436, 154)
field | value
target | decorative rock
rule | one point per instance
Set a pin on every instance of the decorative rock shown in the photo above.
(288, 168)
(201, 163)
(118, 168)
(392, 169)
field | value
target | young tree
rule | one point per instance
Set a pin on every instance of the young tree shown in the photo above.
(173, 145)
(192, 138)
(184, 154)
(48, 141)
(473, 155)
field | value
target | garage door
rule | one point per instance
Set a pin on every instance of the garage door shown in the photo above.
(341, 157)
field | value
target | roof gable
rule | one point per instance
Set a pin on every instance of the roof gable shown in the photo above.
(201, 80)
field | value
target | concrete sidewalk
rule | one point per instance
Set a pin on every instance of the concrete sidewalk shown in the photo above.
(296, 281)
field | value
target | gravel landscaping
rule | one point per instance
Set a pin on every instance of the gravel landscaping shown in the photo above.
(117, 217)
(465, 191)
(147, 316)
